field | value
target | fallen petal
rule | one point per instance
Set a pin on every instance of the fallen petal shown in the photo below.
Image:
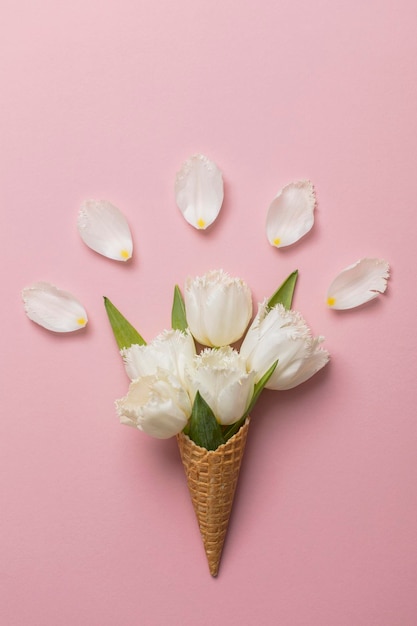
(199, 191)
(291, 214)
(104, 229)
(358, 283)
(53, 308)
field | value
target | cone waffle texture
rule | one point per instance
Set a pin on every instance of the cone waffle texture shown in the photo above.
(212, 477)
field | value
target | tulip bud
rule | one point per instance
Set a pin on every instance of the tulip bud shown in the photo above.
(172, 351)
(222, 380)
(282, 334)
(218, 308)
(158, 405)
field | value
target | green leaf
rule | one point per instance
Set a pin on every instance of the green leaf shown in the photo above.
(123, 331)
(285, 292)
(256, 393)
(178, 316)
(260, 386)
(204, 429)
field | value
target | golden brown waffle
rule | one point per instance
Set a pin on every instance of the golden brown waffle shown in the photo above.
(212, 477)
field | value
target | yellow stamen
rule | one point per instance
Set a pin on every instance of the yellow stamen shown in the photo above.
(81, 321)
(277, 241)
(201, 223)
(124, 254)
(331, 301)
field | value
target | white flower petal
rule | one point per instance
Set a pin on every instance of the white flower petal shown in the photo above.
(199, 191)
(221, 377)
(53, 308)
(291, 214)
(358, 283)
(171, 350)
(283, 335)
(104, 229)
(218, 308)
(157, 405)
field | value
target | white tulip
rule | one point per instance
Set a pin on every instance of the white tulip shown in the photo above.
(221, 378)
(283, 335)
(104, 229)
(53, 308)
(158, 405)
(218, 308)
(172, 351)
(358, 283)
(199, 191)
(291, 214)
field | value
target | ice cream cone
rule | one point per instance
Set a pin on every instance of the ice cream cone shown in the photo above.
(212, 477)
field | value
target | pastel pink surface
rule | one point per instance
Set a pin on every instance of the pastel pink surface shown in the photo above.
(106, 100)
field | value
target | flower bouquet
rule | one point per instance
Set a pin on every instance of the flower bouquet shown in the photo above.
(200, 380)
(190, 382)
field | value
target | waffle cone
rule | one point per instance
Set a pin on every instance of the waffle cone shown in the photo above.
(212, 478)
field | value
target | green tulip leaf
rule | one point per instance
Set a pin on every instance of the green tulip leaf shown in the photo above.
(123, 331)
(204, 429)
(178, 315)
(260, 386)
(232, 430)
(284, 293)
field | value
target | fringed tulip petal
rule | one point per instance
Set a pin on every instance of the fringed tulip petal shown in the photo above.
(291, 214)
(53, 308)
(358, 283)
(157, 404)
(283, 335)
(104, 229)
(199, 191)
(172, 350)
(218, 308)
(221, 378)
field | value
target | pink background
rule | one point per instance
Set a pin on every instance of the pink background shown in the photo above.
(105, 100)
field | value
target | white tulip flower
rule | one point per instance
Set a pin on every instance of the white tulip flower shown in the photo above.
(158, 405)
(218, 308)
(358, 283)
(172, 351)
(199, 191)
(291, 214)
(104, 229)
(283, 335)
(53, 308)
(221, 378)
